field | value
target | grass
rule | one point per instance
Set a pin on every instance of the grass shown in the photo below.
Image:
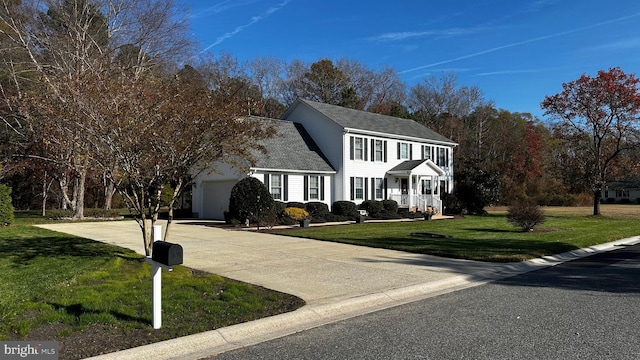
(488, 238)
(49, 278)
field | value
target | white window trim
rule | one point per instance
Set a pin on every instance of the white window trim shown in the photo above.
(317, 187)
(404, 151)
(355, 148)
(379, 152)
(379, 187)
(360, 187)
(272, 186)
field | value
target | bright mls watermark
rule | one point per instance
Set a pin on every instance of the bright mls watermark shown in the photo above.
(41, 350)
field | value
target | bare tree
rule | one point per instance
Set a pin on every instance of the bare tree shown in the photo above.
(59, 44)
(106, 100)
(442, 95)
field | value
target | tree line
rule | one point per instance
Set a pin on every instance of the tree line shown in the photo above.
(96, 104)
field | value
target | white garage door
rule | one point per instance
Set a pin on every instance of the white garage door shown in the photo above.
(216, 198)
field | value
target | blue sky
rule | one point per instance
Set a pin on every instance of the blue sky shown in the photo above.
(516, 52)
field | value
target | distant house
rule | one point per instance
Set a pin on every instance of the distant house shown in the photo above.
(328, 153)
(621, 192)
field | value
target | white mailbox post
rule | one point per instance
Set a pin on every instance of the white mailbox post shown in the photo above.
(163, 256)
(156, 275)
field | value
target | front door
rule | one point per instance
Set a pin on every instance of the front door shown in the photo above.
(404, 189)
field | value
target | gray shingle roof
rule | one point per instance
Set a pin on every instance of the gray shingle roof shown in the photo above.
(407, 165)
(363, 120)
(290, 149)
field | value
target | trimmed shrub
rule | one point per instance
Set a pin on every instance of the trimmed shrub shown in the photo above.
(318, 211)
(251, 200)
(390, 207)
(373, 207)
(6, 208)
(296, 213)
(278, 208)
(525, 216)
(347, 209)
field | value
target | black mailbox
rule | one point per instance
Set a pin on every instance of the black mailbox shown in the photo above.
(167, 253)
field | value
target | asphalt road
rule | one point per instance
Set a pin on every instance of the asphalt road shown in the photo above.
(584, 309)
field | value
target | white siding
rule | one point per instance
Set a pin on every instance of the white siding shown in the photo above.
(378, 169)
(295, 187)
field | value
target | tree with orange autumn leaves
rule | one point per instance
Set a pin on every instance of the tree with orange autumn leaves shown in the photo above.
(601, 117)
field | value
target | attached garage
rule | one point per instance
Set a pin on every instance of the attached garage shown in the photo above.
(216, 198)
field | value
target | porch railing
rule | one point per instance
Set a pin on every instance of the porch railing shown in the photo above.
(420, 202)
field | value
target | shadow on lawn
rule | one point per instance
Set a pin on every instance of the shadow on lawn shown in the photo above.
(490, 250)
(76, 310)
(23, 250)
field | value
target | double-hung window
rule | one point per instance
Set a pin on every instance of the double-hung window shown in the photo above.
(443, 160)
(276, 186)
(314, 188)
(426, 152)
(379, 150)
(358, 148)
(379, 188)
(404, 151)
(359, 188)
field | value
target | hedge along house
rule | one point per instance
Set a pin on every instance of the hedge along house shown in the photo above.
(328, 153)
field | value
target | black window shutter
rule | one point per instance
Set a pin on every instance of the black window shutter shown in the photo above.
(410, 151)
(353, 193)
(266, 181)
(306, 188)
(365, 150)
(422, 153)
(351, 148)
(398, 151)
(321, 187)
(385, 151)
(285, 179)
(385, 188)
(373, 188)
(373, 150)
(366, 188)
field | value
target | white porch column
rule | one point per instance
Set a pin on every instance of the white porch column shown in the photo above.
(410, 192)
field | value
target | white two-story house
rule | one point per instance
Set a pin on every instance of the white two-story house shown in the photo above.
(329, 153)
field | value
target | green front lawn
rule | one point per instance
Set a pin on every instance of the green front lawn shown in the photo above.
(56, 286)
(485, 238)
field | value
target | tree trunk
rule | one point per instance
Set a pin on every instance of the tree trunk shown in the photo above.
(176, 192)
(596, 202)
(108, 196)
(146, 235)
(45, 192)
(78, 211)
(110, 187)
(64, 189)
